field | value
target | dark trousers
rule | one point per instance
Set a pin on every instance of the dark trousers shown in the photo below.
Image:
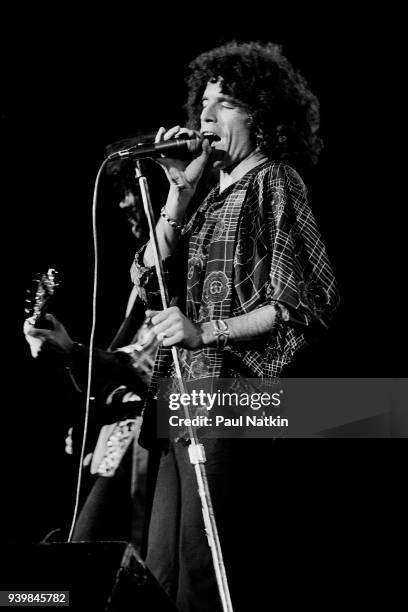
(240, 477)
(107, 510)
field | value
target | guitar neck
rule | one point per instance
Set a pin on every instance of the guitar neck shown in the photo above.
(37, 305)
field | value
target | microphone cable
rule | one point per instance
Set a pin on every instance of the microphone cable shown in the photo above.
(91, 348)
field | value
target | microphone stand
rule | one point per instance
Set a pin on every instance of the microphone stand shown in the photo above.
(195, 448)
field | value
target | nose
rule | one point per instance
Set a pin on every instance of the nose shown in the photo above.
(208, 114)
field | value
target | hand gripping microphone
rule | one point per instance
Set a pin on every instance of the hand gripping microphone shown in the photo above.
(180, 148)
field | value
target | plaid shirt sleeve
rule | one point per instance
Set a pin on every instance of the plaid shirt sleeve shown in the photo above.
(281, 260)
(289, 262)
(301, 276)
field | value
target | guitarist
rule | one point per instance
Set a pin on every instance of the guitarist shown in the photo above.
(105, 516)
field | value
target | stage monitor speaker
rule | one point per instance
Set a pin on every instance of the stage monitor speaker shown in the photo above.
(100, 576)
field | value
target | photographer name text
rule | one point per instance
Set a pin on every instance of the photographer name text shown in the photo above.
(221, 421)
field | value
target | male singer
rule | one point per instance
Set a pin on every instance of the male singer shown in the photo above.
(252, 278)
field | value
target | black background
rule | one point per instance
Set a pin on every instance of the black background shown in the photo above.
(73, 84)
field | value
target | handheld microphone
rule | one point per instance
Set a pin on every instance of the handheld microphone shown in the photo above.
(179, 148)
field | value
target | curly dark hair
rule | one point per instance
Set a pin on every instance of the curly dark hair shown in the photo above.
(284, 112)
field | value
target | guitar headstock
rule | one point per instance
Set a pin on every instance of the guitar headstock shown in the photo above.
(43, 290)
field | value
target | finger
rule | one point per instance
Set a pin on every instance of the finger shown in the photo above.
(32, 331)
(167, 326)
(160, 134)
(187, 132)
(172, 132)
(205, 152)
(206, 147)
(158, 317)
(163, 315)
(149, 314)
(35, 332)
(28, 326)
(173, 339)
(87, 460)
(170, 330)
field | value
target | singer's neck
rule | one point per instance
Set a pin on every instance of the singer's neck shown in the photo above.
(232, 175)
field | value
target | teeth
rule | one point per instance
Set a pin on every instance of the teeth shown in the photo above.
(211, 136)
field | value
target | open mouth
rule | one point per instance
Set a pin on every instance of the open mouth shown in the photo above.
(211, 137)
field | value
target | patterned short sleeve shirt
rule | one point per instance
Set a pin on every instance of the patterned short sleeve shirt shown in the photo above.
(254, 244)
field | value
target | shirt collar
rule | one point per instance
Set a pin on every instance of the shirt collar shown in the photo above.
(226, 179)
